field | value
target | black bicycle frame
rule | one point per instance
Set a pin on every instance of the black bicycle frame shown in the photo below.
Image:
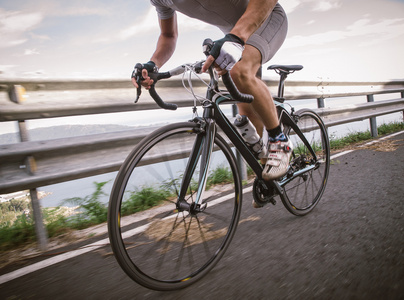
(212, 115)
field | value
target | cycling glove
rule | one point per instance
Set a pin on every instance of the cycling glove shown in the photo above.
(227, 51)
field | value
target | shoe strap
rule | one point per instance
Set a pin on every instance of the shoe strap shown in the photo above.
(274, 160)
(278, 146)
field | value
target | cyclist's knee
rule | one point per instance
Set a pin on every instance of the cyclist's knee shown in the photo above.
(242, 75)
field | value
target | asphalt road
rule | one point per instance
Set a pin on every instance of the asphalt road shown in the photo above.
(350, 247)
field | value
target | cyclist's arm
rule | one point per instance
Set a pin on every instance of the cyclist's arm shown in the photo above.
(165, 47)
(166, 42)
(256, 13)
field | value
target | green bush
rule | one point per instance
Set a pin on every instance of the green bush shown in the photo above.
(144, 198)
(17, 228)
(19, 232)
(91, 211)
(220, 175)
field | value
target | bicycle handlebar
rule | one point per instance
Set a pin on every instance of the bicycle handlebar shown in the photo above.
(233, 90)
(156, 76)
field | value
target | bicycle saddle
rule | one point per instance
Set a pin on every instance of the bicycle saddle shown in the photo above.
(285, 68)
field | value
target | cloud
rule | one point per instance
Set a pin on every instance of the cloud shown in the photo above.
(383, 30)
(4, 68)
(374, 33)
(82, 11)
(31, 52)
(314, 5)
(326, 5)
(149, 23)
(39, 37)
(14, 25)
(290, 6)
(189, 24)
(51, 8)
(146, 24)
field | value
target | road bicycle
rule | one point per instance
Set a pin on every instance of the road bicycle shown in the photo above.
(190, 169)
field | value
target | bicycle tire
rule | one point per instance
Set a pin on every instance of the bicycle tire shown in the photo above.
(166, 249)
(302, 193)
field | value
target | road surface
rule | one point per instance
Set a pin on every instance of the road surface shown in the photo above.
(350, 247)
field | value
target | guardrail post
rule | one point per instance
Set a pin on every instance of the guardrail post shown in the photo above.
(240, 162)
(320, 102)
(30, 165)
(40, 229)
(373, 124)
(402, 96)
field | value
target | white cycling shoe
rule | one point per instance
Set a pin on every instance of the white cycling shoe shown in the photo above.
(279, 152)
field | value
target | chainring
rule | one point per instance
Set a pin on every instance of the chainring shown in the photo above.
(262, 193)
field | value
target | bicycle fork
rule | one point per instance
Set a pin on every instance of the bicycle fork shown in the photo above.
(201, 151)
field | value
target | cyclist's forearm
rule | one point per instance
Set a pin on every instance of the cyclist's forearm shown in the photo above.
(164, 50)
(166, 42)
(256, 13)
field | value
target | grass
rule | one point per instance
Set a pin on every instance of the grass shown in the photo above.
(221, 175)
(357, 137)
(144, 198)
(17, 224)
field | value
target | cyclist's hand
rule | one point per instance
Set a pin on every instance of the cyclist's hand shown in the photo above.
(141, 74)
(225, 52)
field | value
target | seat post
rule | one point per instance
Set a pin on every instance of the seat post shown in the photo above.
(283, 71)
(281, 87)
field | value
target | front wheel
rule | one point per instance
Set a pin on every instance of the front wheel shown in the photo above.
(308, 171)
(170, 244)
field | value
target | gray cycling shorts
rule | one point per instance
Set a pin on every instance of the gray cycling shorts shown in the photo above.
(224, 14)
(271, 35)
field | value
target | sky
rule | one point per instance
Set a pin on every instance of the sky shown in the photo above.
(354, 40)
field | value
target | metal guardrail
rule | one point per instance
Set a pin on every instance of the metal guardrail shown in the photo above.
(31, 164)
(102, 153)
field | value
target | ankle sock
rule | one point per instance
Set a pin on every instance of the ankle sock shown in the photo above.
(276, 134)
(273, 133)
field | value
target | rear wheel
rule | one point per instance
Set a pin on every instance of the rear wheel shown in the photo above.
(173, 243)
(307, 176)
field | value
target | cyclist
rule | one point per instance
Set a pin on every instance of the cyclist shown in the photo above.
(254, 30)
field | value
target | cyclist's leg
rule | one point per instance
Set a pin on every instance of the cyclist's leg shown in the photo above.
(262, 111)
(260, 48)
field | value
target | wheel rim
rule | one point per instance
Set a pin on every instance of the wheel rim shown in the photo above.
(304, 191)
(174, 246)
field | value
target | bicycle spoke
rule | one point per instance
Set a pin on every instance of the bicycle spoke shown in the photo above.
(303, 192)
(182, 241)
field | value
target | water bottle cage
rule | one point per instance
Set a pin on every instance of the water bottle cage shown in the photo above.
(256, 148)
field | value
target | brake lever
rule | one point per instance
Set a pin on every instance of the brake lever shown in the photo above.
(139, 89)
(137, 74)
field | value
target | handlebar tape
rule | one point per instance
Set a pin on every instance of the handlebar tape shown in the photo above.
(234, 92)
(159, 101)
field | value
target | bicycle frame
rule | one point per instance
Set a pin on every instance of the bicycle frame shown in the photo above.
(203, 146)
(212, 116)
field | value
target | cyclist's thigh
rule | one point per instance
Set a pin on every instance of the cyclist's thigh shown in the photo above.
(271, 35)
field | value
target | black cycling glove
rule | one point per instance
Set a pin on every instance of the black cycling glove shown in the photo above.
(150, 66)
(227, 51)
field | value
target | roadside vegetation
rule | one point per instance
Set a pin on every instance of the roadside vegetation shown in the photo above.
(16, 222)
(357, 137)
